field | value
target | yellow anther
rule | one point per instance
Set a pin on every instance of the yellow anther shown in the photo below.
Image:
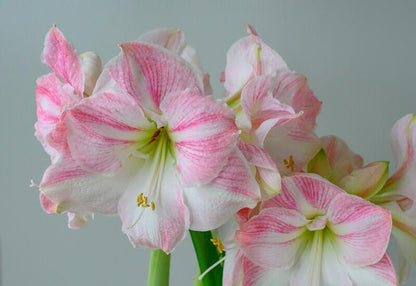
(218, 243)
(140, 199)
(153, 206)
(289, 164)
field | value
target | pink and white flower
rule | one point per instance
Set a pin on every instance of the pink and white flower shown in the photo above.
(314, 234)
(399, 193)
(165, 153)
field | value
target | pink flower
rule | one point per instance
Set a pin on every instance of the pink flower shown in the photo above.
(275, 111)
(399, 193)
(313, 233)
(163, 154)
(73, 79)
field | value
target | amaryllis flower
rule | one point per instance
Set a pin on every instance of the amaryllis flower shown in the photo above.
(315, 234)
(167, 152)
(399, 193)
(73, 79)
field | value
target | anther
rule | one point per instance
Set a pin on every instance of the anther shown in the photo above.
(218, 243)
(143, 201)
(289, 164)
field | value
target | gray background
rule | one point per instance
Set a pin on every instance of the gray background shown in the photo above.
(359, 58)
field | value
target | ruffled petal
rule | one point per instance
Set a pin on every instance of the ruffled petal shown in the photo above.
(211, 205)
(362, 229)
(148, 73)
(69, 188)
(161, 220)
(273, 238)
(61, 57)
(203, 132)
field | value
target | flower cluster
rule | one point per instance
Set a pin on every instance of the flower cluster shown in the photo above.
(143, 137)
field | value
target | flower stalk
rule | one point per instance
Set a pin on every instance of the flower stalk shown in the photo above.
(207, 255)
(159, 265)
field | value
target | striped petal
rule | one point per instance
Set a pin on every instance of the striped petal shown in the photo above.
(362, 229)
(211, 205)
(148, 73)
(262, 110)
(61, 57)
(203, 132)
(69, 188)
(292, 89)
(104, 129)
(273, 238)
(380, 274)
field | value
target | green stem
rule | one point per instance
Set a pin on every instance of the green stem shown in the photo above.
(158, 268)
(207, 255)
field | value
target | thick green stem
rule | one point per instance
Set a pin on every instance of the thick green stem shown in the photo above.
(158, 268)
(207, 255)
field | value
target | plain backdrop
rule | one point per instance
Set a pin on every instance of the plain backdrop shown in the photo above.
(359, 57)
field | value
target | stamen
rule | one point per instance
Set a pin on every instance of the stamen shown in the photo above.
(143, 201)
(289, 164)
(200, 277)
(218, 243)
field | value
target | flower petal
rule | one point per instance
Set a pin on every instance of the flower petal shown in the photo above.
(403, 143)
(342, 160)
(309, 194)
(112, 124)
(295, 140)
(380, 274)
(255, 275)
(50, 99)
(203, 132)
(148, 73)
(249, 57)
(262, 110)
(362, 229)
(76, 221)
(233, 268)
(211, 205)
(63, 60)
(73, 189)
(92, 68)
(292, 89)
(366, 182)
(267, 174)
(162, 225)
(273, 237)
